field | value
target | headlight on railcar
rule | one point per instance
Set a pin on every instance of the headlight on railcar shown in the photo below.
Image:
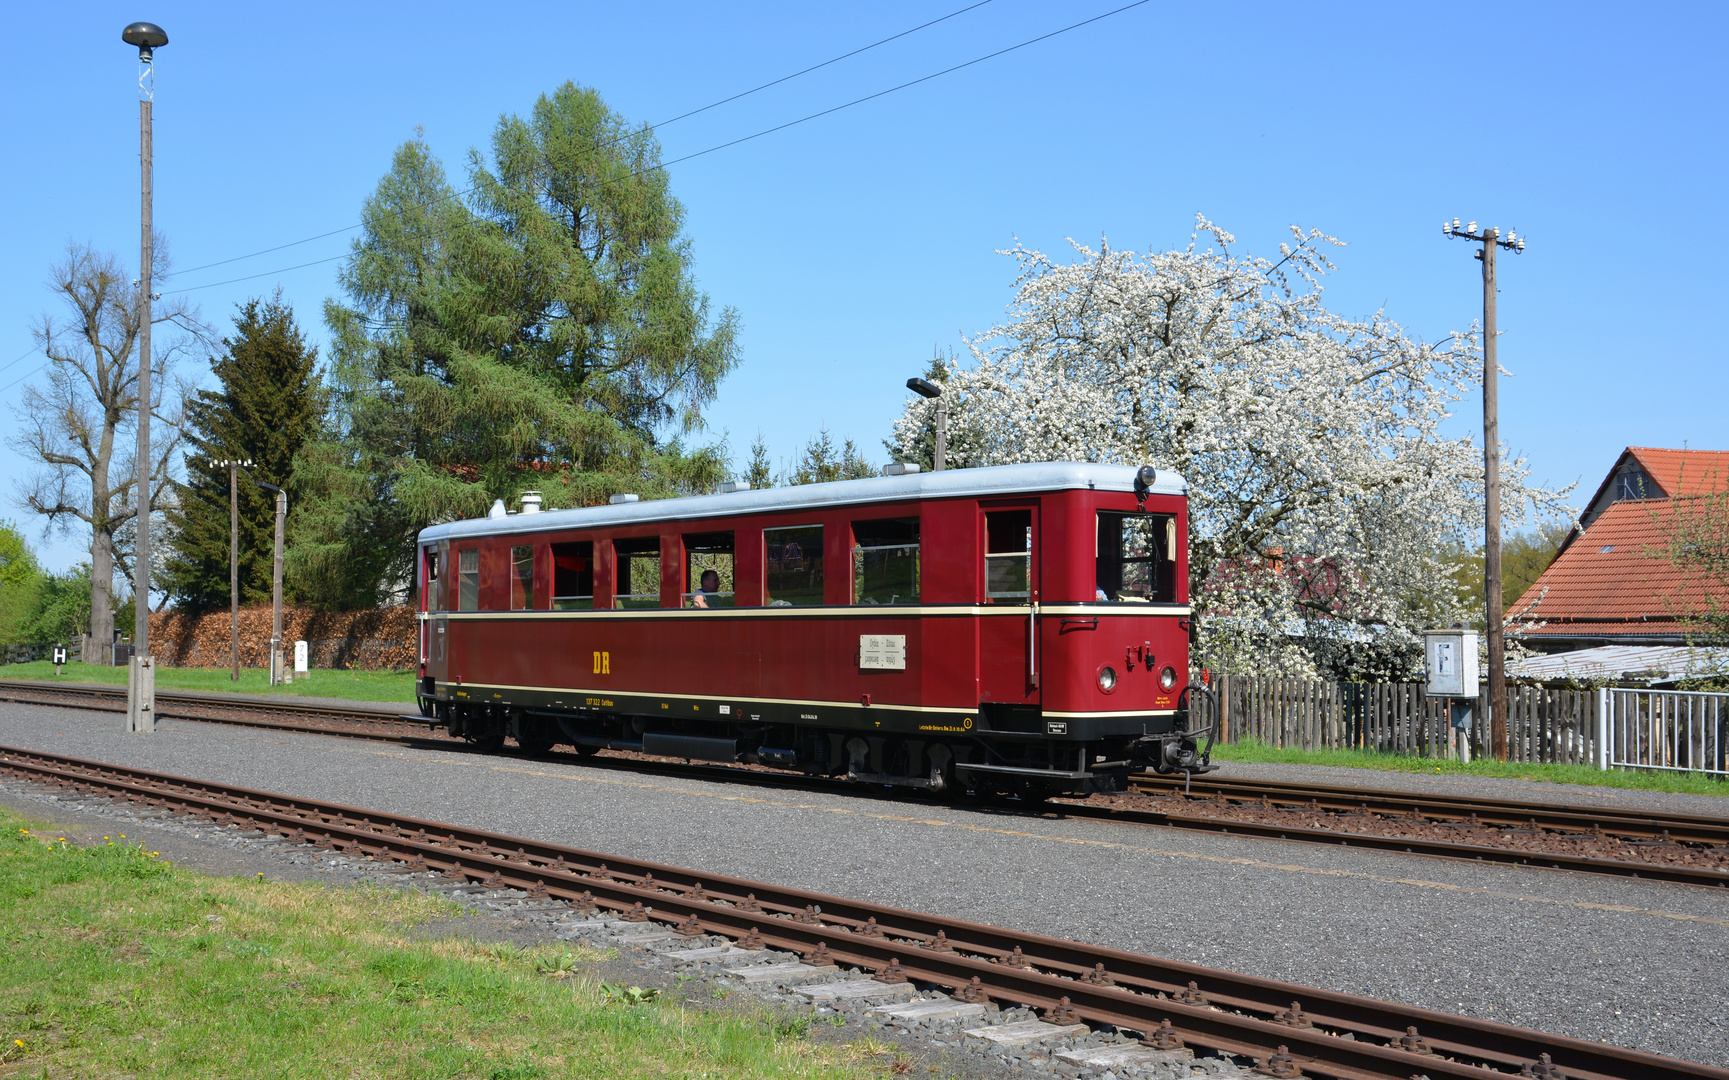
(1168, 678)
(1107, 678)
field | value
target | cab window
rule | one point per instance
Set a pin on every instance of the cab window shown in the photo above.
(793, 571)
(638, 572)
(885, 561)
(1136, 557)
(468, 579)
(1008, 556)
(573, 575)
(708, 570)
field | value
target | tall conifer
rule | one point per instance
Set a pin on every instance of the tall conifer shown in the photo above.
(265, 407)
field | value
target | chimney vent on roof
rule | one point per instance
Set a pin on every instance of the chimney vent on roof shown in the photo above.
(901, 468)
(618, 500)
(731, 486)
(497, 510)
(531, 502)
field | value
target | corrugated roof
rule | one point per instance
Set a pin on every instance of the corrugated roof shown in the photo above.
(1682, 473)
(1640, 663)
(1612, 576)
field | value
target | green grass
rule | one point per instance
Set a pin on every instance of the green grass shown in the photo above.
(1256, 752)
(117, 964)
(397, 686)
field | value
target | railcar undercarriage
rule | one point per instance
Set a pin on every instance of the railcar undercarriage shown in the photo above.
(986, 762)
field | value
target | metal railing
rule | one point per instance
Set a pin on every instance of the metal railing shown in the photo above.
(1667, 730)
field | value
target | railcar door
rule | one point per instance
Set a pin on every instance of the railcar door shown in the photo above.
(435, 650)
(1008, 634)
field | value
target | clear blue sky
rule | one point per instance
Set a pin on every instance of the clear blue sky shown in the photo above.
(854, 244)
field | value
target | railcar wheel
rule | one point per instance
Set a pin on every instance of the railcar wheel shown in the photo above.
(586, 751)
(489, 744)
(534, 747)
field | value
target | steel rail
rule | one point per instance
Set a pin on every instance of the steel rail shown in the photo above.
(1438, 849)
(387, 724)
(1440, 807)
(390, 722)
(1217, 1010)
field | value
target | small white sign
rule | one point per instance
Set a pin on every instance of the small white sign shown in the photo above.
(300, 666)
(59, 654)
(882, 652)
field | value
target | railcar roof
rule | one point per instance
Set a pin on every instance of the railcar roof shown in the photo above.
(993, 482)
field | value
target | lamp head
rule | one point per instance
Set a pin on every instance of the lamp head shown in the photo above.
(924, 388)
(1145, 477)
(147, 36)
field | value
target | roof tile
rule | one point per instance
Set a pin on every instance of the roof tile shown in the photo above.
(1615, 573)
(1681, 473)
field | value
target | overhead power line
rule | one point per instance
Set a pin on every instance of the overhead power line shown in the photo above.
(903, 86)
(755, 135)
(25, 353)
(266, 251)
(825, 63)
(663, 123)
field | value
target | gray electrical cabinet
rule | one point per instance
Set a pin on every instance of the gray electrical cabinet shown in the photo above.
(1451, 659)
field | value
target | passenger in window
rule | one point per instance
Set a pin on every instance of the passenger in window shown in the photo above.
(710, 585)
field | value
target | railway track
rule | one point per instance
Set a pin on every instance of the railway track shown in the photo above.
(1291, 1030)
(1661, 838)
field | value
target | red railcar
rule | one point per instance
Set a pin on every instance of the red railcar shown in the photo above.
(1015, 628)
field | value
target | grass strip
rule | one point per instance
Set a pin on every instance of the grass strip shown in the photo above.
(119, 964)
(1253, 751)
(391, 686)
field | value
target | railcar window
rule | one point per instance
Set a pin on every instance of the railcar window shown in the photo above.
(638, 572)
(885, 561)
(1008, 556)
(573, 575)
(468, 580)
(794, 573)
(706, 554)
(1137, 559)
(522, 577)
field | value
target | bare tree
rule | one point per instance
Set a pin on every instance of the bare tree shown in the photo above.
(73, 424)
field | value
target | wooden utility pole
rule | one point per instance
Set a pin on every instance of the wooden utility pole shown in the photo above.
(1490, 239)
(234, 566)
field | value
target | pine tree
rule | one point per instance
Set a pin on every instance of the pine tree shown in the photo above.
(268, 401)
(820, 464)
(761, 472)
(542, 329)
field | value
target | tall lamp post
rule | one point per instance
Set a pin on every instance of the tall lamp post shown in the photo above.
(141, 675)
(278, 674)
(234, 468)
(926, 389)
(1490, 238)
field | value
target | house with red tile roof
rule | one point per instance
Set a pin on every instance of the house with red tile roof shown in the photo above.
(1610, 584)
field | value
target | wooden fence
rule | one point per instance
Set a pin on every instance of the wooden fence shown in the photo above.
(24, 652)
(1543, 725)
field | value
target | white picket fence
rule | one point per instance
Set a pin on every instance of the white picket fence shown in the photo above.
(1609, 728)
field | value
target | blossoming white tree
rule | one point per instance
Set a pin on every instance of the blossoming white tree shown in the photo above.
(1324, 499)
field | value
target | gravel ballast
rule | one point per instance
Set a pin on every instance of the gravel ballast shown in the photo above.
(1631, 963)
